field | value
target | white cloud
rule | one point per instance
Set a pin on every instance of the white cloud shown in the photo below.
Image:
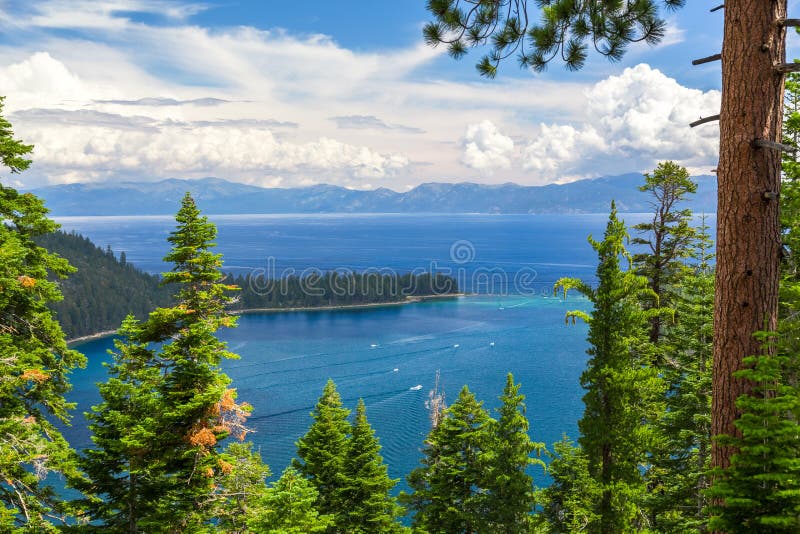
(485, 148)
(638, 117)
(198, 151)
(145, 101)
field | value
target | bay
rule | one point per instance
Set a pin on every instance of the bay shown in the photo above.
(388, 356)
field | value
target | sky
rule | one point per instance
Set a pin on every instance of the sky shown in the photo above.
(345, 92)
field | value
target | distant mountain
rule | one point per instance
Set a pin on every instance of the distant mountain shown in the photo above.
(216, 196)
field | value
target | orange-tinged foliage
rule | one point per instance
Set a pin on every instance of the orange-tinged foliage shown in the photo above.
(202, 437)
(208, 472)
(228, 402)
(35, 375)
(225, 467)
(26, 281)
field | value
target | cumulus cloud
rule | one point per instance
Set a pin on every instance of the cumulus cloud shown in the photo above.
(640, 116)
(485, 148)
(198, 151)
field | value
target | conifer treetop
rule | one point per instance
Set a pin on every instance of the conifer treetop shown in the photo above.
(536, 33)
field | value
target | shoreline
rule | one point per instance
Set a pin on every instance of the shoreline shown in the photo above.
(90, 337)
(340, 307)
(409, 300)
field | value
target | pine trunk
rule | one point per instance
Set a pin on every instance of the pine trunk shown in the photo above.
(748, 230)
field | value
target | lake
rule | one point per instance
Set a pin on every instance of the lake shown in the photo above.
(384, 355)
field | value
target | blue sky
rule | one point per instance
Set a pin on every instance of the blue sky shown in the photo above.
(283, 94)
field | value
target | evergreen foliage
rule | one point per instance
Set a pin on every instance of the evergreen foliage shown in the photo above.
(367, 506)
(323, 449)
(449, 490)
(566, 29)
(288, 507)
(511, 490)
(169, 363)
(622, 391)
(667, 238)
(34, 359)
(760, 491)
(568, 504)
(336, 288)
(240, 488)
(103, 290)
(678, 475)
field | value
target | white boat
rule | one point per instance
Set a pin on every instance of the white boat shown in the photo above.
(491, 344)
(456, 346)
(416, 388)
(395, 370)
(373, 345)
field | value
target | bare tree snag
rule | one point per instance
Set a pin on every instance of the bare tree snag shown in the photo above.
(748, 230)
(704, 120)
(709, 59)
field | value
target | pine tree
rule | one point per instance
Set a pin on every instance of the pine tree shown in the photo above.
(34, 359)
(123, 467)
(449, 490)
(241, 488)
(568, 504)
(667, 238)
(367, 506)
(288, 507)
(622, 392)
(760, 491)
(511, 492)
(169, 367)
(323, 449)
(681, 460)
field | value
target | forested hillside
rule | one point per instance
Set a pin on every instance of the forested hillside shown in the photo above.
(103, 290)
(338, 289)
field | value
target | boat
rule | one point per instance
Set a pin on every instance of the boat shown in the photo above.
(416, 388)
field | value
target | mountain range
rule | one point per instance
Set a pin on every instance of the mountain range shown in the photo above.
(217, 196)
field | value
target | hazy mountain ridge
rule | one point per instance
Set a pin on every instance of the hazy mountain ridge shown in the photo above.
(217, 196)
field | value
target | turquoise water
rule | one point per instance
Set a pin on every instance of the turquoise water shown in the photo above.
(383, 355)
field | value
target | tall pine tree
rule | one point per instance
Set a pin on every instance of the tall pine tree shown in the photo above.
(367, 506)
(667, 238)
(449, 490)
(622, 391)
(678, 474)
(323, 449)
(166, 375)
(34, 359)
(511, 492)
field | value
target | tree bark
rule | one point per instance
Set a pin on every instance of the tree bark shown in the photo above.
(748, 229)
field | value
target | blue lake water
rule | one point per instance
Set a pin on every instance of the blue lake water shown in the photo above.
(383, 355)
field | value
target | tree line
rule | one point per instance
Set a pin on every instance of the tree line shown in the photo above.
(104, 288)
(338, 288)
